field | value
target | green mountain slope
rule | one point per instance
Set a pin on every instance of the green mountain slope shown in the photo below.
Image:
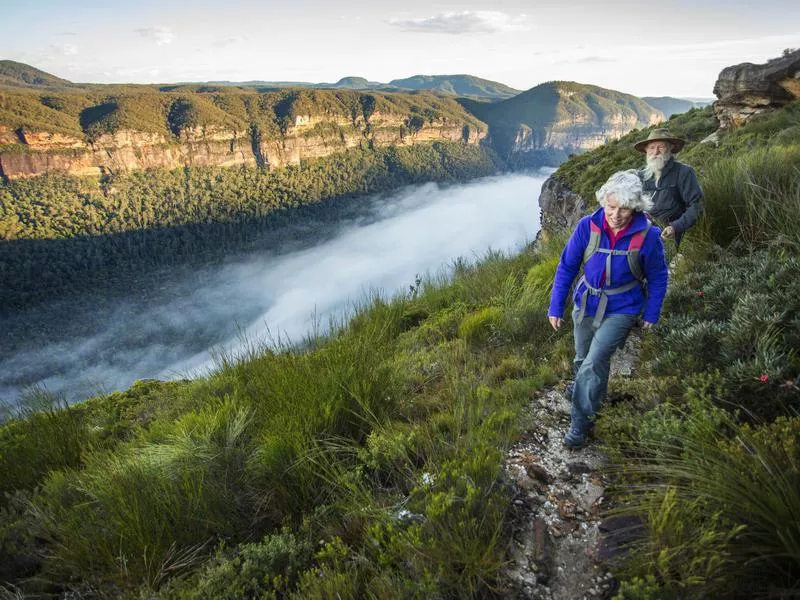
(545, 124)
(672, 106)
(457, 85)
(568, 100)
(19, 75)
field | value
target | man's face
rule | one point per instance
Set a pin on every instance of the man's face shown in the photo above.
(658, 148)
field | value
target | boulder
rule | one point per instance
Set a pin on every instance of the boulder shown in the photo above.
(746, 90)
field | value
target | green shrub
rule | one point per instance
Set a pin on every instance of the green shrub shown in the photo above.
(741, 318)
(720, 501)
(144, 508)
(268, 569)
(19, 556)
(754, 196)
(48, 437)
(477, 327)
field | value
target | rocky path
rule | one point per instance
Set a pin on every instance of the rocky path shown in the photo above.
(557, 504)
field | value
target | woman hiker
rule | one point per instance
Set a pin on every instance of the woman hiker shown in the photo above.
(624, 278)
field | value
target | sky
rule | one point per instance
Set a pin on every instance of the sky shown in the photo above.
(674, 48)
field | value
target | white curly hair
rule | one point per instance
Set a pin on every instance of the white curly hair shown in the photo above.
(626, 187)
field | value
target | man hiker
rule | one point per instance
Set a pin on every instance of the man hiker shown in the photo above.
(676, 196)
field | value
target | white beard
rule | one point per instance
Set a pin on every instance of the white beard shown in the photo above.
(655, 166)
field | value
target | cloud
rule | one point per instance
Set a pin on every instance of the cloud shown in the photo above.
(596, 59)
(224, 43)
(159, 34)
(64, 49)
(467, 21)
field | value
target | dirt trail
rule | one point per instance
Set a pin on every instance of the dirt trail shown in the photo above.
(559, 494)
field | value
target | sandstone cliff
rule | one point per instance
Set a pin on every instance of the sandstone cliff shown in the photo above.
(297, 126)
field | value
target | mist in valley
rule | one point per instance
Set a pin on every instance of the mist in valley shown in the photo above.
(173, 323)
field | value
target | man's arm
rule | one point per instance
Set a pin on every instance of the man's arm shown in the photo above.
(692, 197)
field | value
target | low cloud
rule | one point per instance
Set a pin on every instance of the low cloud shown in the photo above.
(596, 59)
(159, 34)
(177, 328)
(463, 22)
(64, 49)
(225, 43)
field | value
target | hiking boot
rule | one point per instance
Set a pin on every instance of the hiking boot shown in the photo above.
(575, 438)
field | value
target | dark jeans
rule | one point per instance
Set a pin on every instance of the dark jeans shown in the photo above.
(593, 351)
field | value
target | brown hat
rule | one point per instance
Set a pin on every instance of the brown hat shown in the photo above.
(661, 135)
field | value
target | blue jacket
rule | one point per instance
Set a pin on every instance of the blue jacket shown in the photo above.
(632, 302)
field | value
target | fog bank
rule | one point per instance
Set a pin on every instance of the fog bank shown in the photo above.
(174, 329)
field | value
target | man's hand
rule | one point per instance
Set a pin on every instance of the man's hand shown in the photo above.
(556, 322)
(647, 325)
(668, 232)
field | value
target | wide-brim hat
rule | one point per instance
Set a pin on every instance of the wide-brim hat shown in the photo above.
(661, 135)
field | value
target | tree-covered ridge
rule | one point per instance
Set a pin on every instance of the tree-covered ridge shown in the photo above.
(457, 85)
(19, 75)
(89, 114)
(57, 231)
(672, 106)
(555, 101)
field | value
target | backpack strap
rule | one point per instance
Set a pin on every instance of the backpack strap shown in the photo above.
(634, 251)
(594, 241)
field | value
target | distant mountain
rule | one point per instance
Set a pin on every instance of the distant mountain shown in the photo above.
(19, 75)
(675, 106)
(464, 86)
(457, 85)
(351, 83)
(550, 121)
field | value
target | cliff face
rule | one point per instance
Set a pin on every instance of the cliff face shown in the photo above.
(579, 134)
(746, 90)
(31, 153)
(547, 123)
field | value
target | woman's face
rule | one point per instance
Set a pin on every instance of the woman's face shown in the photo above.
(618, 217)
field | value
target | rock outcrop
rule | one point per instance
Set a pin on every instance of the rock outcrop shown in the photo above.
(561, 207)
(746, 90)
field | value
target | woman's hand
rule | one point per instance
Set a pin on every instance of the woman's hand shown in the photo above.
(556, 322)
(668, 233)
(647, 325)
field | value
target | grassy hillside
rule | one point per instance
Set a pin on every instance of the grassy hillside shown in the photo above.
(705, 438)
(366, 464)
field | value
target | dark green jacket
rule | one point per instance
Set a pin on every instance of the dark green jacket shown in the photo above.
(677, 198)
